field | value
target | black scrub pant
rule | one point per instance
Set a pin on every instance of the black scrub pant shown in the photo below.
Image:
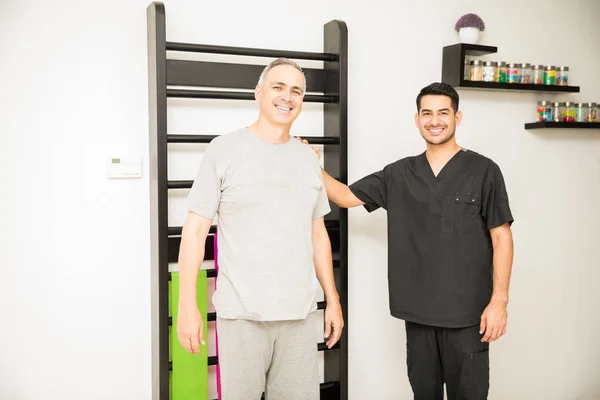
(452, 356)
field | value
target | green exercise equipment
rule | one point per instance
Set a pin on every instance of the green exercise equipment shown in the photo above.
(189, 373)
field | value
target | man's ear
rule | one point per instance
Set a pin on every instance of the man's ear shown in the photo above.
(458, 117)
(257, 92)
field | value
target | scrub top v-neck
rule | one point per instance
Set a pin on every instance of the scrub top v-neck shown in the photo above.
(439, 246)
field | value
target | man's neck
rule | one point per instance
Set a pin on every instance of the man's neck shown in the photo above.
(439, 155)
(270, 132)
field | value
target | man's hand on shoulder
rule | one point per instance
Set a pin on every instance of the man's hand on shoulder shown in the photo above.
(315, 148)
(337, 192)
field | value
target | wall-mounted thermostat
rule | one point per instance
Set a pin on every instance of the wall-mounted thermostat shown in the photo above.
(124, 167)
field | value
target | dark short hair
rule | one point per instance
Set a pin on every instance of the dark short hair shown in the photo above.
(439, 89)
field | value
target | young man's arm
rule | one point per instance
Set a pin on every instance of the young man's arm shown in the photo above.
(191, 254)
(371, 188)
(334, 320)
(498, 218)
(495, 317)
(339, 193)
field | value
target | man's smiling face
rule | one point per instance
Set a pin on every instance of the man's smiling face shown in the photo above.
(437, 120)
(281, 95)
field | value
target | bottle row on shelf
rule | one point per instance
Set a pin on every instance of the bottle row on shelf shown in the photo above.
(503, 72)
(567, 111)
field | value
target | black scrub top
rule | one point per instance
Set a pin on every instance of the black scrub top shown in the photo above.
(439, 246)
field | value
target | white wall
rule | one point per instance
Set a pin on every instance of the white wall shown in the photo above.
(75, 249)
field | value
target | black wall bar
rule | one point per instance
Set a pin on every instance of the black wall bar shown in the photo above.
(246, 51)
(230, 76)
(178, 138)
(217, 94)
(170, 78)
(176, 230)
(185, 184)
(212, 316)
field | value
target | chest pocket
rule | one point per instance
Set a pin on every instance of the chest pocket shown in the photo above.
(466, 206)
(460, 212)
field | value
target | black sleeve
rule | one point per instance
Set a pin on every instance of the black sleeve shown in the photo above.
(372, 190)
(495, 206)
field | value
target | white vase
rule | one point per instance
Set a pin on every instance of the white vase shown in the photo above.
(468, 35)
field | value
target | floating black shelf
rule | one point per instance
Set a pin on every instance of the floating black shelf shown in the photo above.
(453, 72)
(562, 125)
(518, 87)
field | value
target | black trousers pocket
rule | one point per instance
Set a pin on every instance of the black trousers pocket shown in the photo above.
(474, 378)
(423, 362)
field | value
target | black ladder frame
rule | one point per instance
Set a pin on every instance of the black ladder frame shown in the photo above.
(331, 81)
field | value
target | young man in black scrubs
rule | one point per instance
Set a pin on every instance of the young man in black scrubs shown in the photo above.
(450, 251)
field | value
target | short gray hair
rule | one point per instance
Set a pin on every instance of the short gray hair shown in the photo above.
(277, 62)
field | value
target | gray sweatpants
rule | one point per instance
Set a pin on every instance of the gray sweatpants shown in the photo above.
(278, 358)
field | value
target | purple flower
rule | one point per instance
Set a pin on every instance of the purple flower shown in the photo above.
(470, 21)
